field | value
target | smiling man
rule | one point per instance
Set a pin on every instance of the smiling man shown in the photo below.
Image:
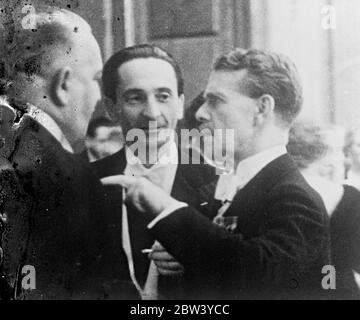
(144, 87)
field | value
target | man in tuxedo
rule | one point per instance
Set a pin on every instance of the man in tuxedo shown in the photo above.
(56, 245)
(270, 237)
(144, 87)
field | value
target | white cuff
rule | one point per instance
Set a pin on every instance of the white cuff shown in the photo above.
(167, 211)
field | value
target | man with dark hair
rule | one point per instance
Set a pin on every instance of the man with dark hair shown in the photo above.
(266, 73)
(104, 138)
(144, 88)
(190, 121)
(270, 238)
(110, 73)
(62, 237)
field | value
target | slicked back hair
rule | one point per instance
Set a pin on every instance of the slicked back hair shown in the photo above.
(267, 73)
(110, 77)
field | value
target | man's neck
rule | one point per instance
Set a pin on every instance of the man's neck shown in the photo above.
(150, 156)
(261, 143)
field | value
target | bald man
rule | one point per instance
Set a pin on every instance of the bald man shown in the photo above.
(55, 68)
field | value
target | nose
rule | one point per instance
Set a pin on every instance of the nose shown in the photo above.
(152, 109)
(201, 114)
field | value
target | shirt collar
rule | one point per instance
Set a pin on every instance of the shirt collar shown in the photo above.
(251, 166)
(246, 170)
(161, 173)
(50, 125)
(167, 154)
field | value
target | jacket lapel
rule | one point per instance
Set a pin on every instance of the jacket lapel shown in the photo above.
(195, 185)
(249, 200)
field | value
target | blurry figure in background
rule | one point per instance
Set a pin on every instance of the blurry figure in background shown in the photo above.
(312, 149)
(189, 121)
(194, 147)
(352, 153)
(104, 138)
(333, 164)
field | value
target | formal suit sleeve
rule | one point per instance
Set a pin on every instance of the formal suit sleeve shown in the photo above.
(14, 230)
(291, 237)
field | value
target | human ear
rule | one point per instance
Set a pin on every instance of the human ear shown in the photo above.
(266, 106)
(60, 87)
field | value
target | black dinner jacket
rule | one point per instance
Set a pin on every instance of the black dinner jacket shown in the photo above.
(277, 250)
(345, 239)
(193, 184)
(60, 228)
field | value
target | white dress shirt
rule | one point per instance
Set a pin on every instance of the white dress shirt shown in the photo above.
(50, 125)
(162, 174)
(246, 170)
(229, 184)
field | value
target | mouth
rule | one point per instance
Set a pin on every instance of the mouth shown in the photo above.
(205, 128)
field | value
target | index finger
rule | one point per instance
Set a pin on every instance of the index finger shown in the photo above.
(119, 179)
(157, 246)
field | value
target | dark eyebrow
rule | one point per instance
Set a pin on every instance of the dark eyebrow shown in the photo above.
(162, 89)
(132, 91)
(214, 95)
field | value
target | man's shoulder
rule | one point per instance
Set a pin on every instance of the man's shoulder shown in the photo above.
(32, 155)
(281, 179)
(292, 189)
(32, 138)
(198, 174)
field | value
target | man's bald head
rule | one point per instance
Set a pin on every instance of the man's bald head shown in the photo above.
(40, 42)
(53, 61)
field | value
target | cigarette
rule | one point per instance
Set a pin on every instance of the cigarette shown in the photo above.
(147, 250)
